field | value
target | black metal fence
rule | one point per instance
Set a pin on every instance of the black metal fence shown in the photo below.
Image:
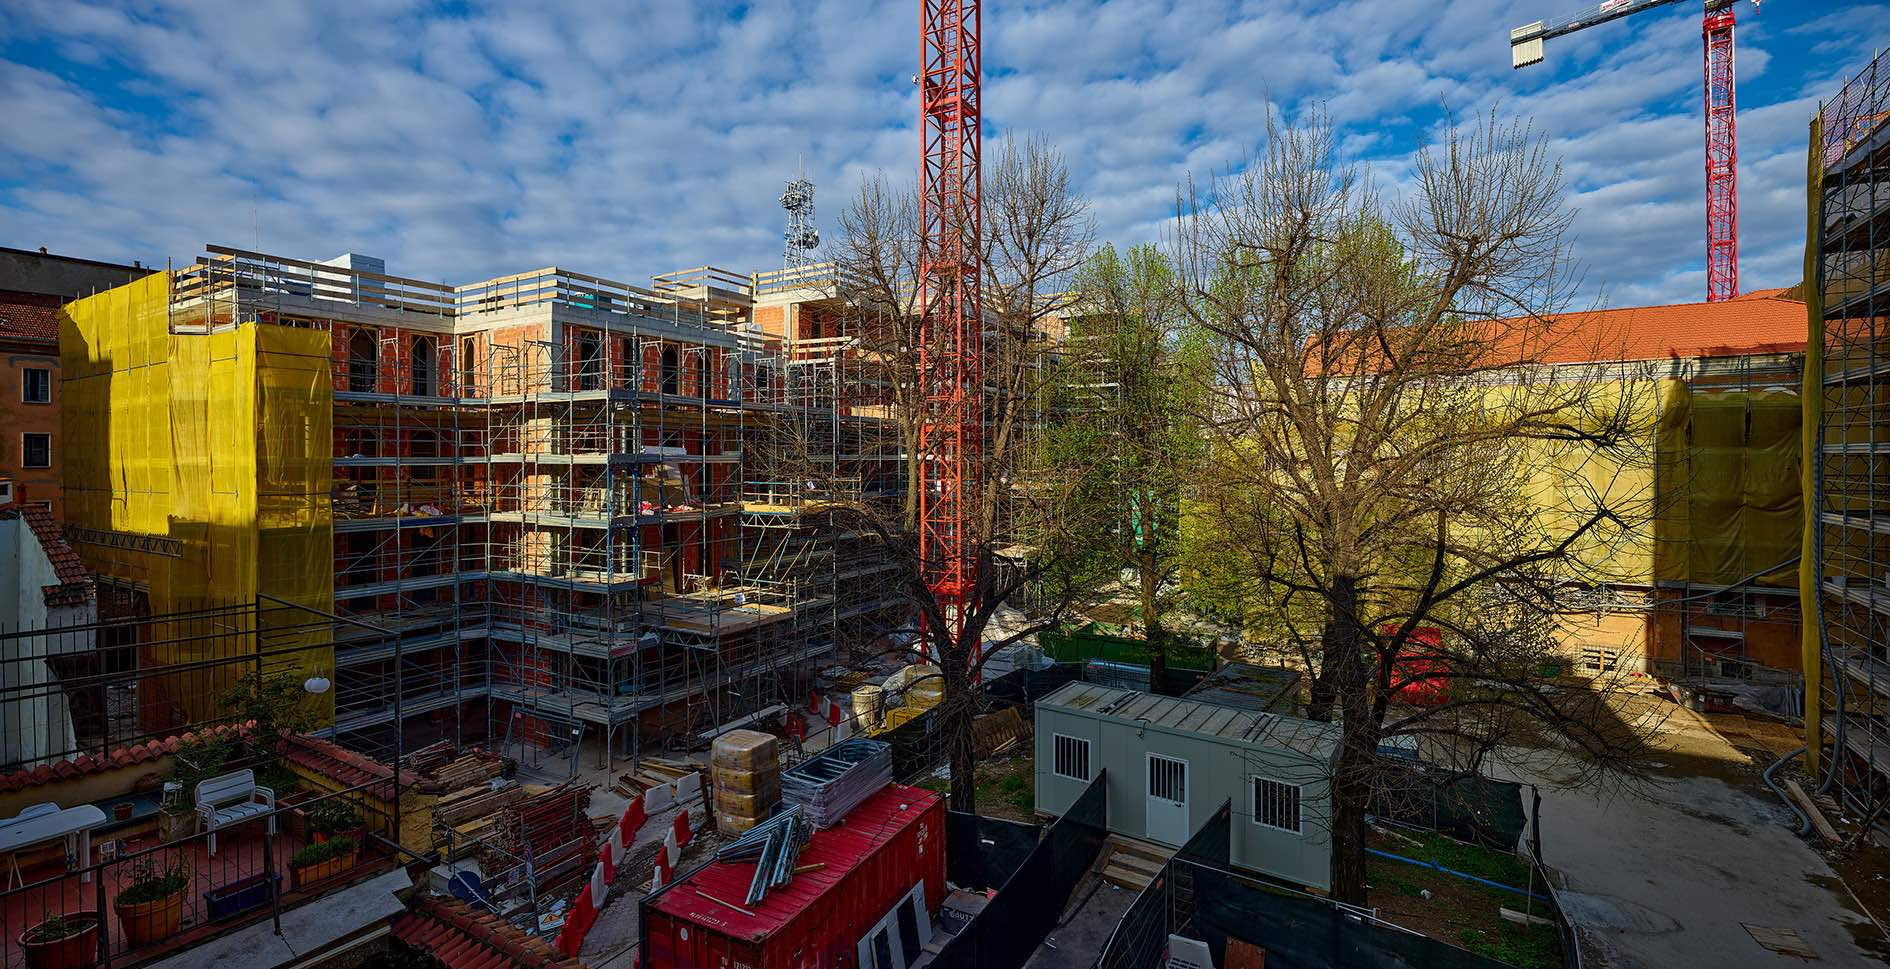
(1294, 929)
(111, 727)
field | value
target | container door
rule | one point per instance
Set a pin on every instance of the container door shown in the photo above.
(1167, 810)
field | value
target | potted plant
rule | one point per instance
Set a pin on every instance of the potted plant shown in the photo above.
(331, 818)
(319, 862)
(151, 905)
(237, 897)
(61, 942)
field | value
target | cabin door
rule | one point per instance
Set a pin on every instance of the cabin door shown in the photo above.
(1167, 800)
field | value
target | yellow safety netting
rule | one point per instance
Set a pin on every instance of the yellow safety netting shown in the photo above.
(220, 441)
(1732, 505)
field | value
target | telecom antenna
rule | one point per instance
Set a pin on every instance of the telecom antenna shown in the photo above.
(801, 238)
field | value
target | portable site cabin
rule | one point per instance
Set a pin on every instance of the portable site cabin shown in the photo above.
(1171, 763)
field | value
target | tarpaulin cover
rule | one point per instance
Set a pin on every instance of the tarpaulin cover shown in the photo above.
(1732, 506)
(218, 440)
(1027, 907)
(983, 852)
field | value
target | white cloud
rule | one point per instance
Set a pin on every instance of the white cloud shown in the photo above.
(627, 139)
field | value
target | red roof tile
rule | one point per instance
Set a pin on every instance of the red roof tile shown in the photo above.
(65, 561)
(341, 764)
(465, 938)
(28, 316)
(1763, 321)
(86, 764)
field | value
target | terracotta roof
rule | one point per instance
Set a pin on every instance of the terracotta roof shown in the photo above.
(465, 938)
(1763, 321)
(75, 583)
(341, 764)
(86, 764)
(29, 316)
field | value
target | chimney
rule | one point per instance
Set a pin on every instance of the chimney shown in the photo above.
(42, 250)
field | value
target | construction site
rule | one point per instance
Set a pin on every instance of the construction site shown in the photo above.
(568, 497)
(967, 593)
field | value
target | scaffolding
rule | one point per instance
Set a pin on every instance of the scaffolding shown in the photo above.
(554, 489)
(1848, 288)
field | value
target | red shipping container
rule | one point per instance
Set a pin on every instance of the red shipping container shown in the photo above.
(870, 861)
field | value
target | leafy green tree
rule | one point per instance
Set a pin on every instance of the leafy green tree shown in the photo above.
(1132, 393)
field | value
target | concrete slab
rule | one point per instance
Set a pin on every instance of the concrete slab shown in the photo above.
(1681, 872)
(306, 929)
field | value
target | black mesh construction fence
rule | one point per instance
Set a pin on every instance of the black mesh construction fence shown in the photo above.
(1026, 908)
(983, 852)
(1023, 688)
(1296, 930)
(1473, 808)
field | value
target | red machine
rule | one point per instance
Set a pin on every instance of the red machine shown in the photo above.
(1418, 674)
(1722, 138)
(951, 340)
(855, 876)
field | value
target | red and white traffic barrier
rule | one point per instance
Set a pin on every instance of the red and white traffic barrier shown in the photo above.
(583, 914)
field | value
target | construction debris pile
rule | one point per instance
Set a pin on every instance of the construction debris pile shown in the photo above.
(834, 781)
(745, 767)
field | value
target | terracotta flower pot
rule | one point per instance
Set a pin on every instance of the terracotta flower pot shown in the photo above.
(72, 952)
(152, 921)
(322, 871)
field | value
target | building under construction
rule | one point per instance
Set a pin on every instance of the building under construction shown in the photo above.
(1847, 265)
(585, 507)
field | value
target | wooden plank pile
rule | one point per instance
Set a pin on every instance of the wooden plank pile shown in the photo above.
(463, 817)
(995, 733)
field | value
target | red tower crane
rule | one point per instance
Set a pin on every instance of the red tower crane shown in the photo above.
(1722, 138)
(951, 332)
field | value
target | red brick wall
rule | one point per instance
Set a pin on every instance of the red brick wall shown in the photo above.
(18, 418)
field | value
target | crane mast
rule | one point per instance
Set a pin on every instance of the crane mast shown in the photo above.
(1722, 135)
(951, 331)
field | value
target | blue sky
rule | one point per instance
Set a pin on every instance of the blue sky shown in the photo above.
(463, 140)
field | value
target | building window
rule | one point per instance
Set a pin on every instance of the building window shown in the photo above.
(422, 366)
(363, 360)
(6, 492)
(36, 450)
(1598, 660)
(1072, 757)
(36, 385)
(1276, 805)
(672, 376)
(468, 365)
(590, 350)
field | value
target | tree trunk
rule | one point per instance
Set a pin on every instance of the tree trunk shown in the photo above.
(1152, 623)
(1347, 668)
(953, 720)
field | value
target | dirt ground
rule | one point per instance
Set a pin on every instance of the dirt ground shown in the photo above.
(1007, 786)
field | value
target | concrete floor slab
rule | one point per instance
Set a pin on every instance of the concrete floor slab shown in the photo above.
(1680, 872)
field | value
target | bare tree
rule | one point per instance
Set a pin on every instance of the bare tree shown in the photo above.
(1035, 526)
(1407, 487)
